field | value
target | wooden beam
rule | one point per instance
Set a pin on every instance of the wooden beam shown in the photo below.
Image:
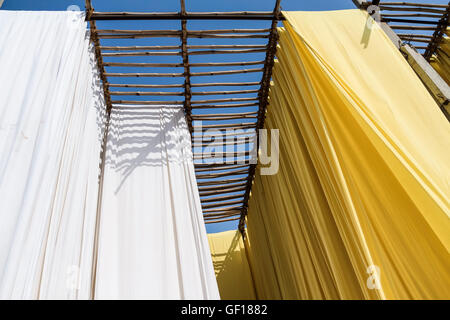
(144, 75)
(149, 103)
(223, 100)
(437, 35)
(208, 52)
(224, 106)
(142, 86)
(242, 15)
(263, 100)
(437, 87)
(221, 204)
(134, 93)
(141, 53)
(411, 4)
(215, 191)
(203, 93)
(224, 84)
(219, 168)
(227, 72)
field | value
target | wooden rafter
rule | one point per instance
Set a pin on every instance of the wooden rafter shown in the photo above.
(263, 102)
(224, 188)
(415, 42)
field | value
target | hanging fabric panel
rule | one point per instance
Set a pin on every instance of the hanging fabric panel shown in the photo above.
(152, 238)
(50, 119)
(360, 207)
(143, 236)
(441, 60)
(231, 266)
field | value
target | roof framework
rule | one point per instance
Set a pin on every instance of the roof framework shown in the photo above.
(224, 179)
(235, 106)
(421, 25)
(417, 30)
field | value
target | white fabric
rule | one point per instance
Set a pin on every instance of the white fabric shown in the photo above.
(152, 238)
(149, 241)
(49, 155)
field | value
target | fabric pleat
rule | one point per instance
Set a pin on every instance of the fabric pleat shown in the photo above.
(50, 127)
(71, 227)
(360, 207)
(152, 237)
(231, 265)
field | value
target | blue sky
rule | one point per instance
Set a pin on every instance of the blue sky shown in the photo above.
(173, 5)
(191, 5)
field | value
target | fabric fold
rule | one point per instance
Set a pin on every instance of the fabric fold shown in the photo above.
(360, 208)
(152, 238)
(50, 127)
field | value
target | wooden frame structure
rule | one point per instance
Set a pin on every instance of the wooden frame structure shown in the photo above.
(417, 30)
(224, 188)
(418, 24)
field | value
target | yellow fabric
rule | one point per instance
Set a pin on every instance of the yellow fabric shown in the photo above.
(441, 60)
(231, 266)
(364, 170)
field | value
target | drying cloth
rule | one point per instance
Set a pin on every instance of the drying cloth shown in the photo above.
(233, 271)
(360, 206)
(65, 235)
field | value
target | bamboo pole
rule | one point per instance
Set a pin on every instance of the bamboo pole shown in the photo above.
(221, 204)
(223, 100)
(144, 75)
(222, 198)
(120, 48)
(219, 168)
(263, 95)
(126, 93)
(143, 53)
(408, 27)
(150, 103)
(208, 52)
(413, 4)
(211, 46)
(222, 209)
(222, 144)
(119, 85)
(240, 15)
(220, 115)
(226, 188)
(437, 35)
(215, 191)
(224, 106)
(224, 84)
(215, 31)
(416, 9)
(220, 175)
(223, 214)
(187, 70)
(176, 35)
(199, 118)
(223, 92)
(221, 183)
(225, 125)
(411, 15)
(227, 72)
(384, 19)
